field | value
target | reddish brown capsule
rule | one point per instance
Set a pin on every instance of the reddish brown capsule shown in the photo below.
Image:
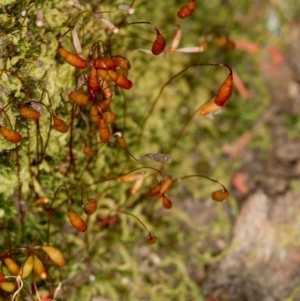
(167, 203)
(103, 105)
(120, 80)
(93, 84)
(110, 117)
(159, 44)
(220, 195)
(11, 265)
(154, 191)
(76, 221)
(187, 10)
(104, 131)
(29, 113)
(60, 125)
(55, 255)
(105, 63)
(79, 98)
(39, 268)
(225, 91)
(10, 135)
(90, 206)
(88, 151)
(151, 239)
(122, 142)
(72, 59)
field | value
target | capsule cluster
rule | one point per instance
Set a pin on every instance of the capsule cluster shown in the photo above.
(160, 189)
(103, 70)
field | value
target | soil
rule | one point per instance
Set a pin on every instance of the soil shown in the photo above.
(264, 262)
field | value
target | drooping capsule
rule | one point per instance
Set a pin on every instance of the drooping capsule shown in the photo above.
(122, 142)
(26, 268)
(154, 191)
(151, 239)
(138, 184)
(110, 117)
(39, 268)
(167, 203)
(8, 286)
(71, 58)
(90, 206)
(225, 91)
(79, 98)
(88, 151)
(93, 84)
(29, 113)
(220, 195)
(165, 185)
(94, 114)
(186, 10)
(106, 89)
(159, 44)
(103, 105)
(60, 125)
(104, 131)
(55, 255)
(11, 265)
(10, 135)
(209, 107)
(76, 221)
(120, 80)
(105, 63)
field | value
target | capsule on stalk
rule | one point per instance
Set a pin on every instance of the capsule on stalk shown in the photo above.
(187, 10)
(167, 203)
(55, 255)
(104, 131)
(39, 268)
(225, 91)
(71, 58)
(12, 266)
(79, 98)
(29, 113)
(90, 206)
(76, 221)
(159, 44)
(220, 195)
(60, 125)
(26, 268)
(10, 135)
